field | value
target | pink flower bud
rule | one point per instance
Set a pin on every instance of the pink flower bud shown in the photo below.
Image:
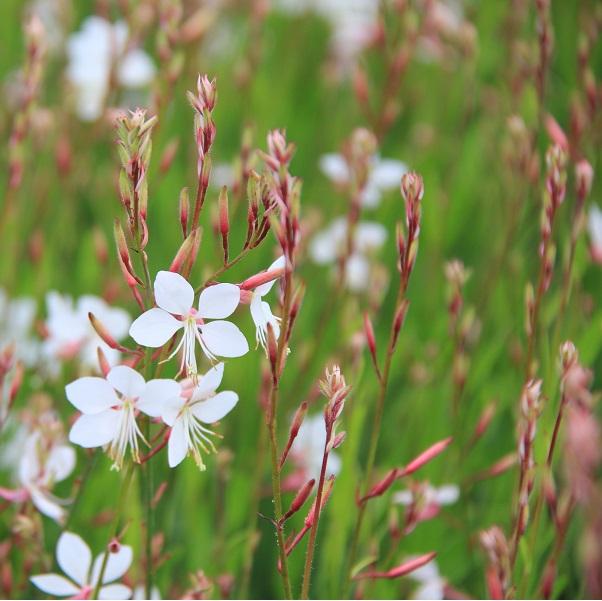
(299, 500)
(425, 457)
(401, 570)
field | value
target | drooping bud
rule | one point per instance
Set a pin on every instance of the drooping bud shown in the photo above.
(425, 457)
(295, 426)
(299, 500)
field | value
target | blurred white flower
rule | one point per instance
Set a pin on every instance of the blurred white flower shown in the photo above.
(260, 310)
(222, 174)
(16, 325)
(51, 13)
(432, 585)
(75, 559)
(139, 593)
(308, 448)
(174, 297)
(71, 334)
(92, 52)
(109, 408)
(43, 460)
(594, 226)
(447, 494)
(385, 174)
(329, 244)
(185, 415)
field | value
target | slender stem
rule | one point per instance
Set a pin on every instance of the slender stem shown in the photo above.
(243, 253)
(314, 527)
(115, 530)
(82, 484)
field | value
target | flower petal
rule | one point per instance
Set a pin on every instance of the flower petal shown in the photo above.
(216, 407)
(173, 293)
(74, 557)
(386, 173)
(117, 565)
(126, 380)
(115, 592)
(224, 339)
(53, 584)
(45, 505)
(154, 328)
(95, 430)
(171, 410)
(155, 394)
(91, 395)
(447, 494)
(279, 263)
(334, 167)
(219, 301)
(177, 447)
(60, 462)
(208, 383)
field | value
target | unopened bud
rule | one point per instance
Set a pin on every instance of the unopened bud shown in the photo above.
(299, 499)
(295, 426)
(425, 457)
(184, 209)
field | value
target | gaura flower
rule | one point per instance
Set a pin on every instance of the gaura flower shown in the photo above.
(75, 559)
(91, 52)
(174, 297)
(594, 226)
(385, 174)
(427, 499)
(70, 333)
(16, 323)
(432, 585)
(109, 408)
(328, 245)
(43, 461)
(199, 404)
(260, 309)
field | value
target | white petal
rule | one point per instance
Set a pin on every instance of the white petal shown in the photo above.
(594, 224)
(95, 430)
(154, 328)
(323, 248)
(91, 395)
(216, 407)
(117, 565)
(173, 293)
(371, 196)
(115, 592)
(334, 167)
(177, 447)
(357, 272)
(209, 382)
(126, 380)
(53, 584)
(279, 263)
(155, 394)
(136, 69)
(45, 505)
(387, 173)
(369, 235)
(171, 410)
(74, 557)
(224, 339)
(219, 301)
(447, 494)
(432, 590)
(60, 462)
(403, 497)
(257, 312)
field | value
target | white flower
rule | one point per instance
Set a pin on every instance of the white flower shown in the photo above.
(42, 462)
(447, 494)
(139, 593)
(174, 297)
(329, 244)
(109, 407)
(70, 332)
(16, 323)
(308, 448)
(91, 52)
(75, 559)
(260, 310)
(432, 585)
(594, 226)
(385, 174)
(186, 415)
(222, 174)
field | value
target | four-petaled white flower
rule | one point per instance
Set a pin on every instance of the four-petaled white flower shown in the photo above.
(329, 244)
(198, 404)
(385, 174)
(174, 297)
(42, 463)
(75, 559)
(71, 334)
(92, 52)
(109, 407)
(16, 324)
(594, 226)
(260, 310)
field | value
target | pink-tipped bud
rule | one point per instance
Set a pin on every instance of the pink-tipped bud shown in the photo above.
(401, 570)
(104, 333)
(556, 133)
(381, 487)
(261, 278)
(400, 316)
(123, 254)
(425, 457)
(187, 251)
(370, 340)
(500, 466)
(338, 440)
(169, 154)
(295, 426)
(484, 421)
(103, 363)
(184, 206)
(584, 177)
(272, 348)
(299, 499)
